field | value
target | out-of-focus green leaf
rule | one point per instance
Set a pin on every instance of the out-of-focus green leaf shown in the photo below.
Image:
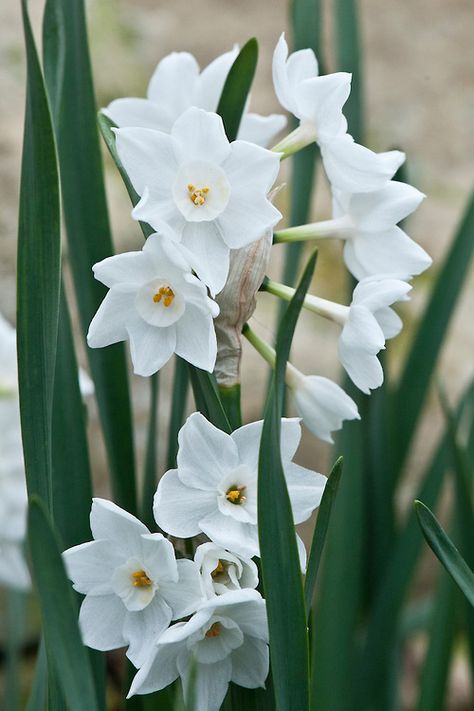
(72, 487)
(445, 550)
(279, 554)
(416, 376)
(39, 687)
(151, 454)
(38, 275)
(230, 398)
(349, 59)
(206, 396)
(87, 224)
(237, 87)
(15, 623)
(58, 611)
(319, 536)
(178, 408)
(385, 613)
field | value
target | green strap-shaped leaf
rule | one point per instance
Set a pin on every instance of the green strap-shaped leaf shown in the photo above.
(319, 536)
(421, 362)
(38, 275)
(64, 646)
(39, 687)
(206, 396)
(237, 87)
(349, 59)
(281, 571)
(87, 224)
(445, 550)
(178, 408)
(151, 454)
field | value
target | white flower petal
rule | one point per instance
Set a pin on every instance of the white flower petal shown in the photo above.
(129, 268)
(159, 558)
(205, 454)
(261, 129)
(211, 81)
(136, 112)
(289, 72)
(386, 252)
(322, 99)
(158, 209)
(380, 210)
(179, 509)
(363, 368)
(172, 84)
(379, 291)
(150, 346)
(148, 158)
(241, 538)
(246, 218)
(356, 169)
(210, 254)
(101, 620)
(246, 607)
(251, 168)
(186, 595)
(305, 489)
(200, 135)
(250, 663)
(109, 324)
(91, 565)
(142, 629)
(196, 338)
(158, 671)
(210, 686)
(362, 331)
(111, 523)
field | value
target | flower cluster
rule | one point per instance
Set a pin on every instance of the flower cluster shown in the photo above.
(135, 587)
(192, 287)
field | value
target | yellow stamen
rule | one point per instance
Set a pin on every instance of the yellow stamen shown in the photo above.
(214, 630)
(140, 579)
(166, 293)
(197, 195)
(235, 494)
(220, 568)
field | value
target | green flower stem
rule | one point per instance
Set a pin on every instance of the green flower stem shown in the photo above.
(266, 351)
(295, 141)
(322, 307)
(326, 229)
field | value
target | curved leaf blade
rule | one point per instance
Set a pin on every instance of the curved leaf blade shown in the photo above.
(237, 87)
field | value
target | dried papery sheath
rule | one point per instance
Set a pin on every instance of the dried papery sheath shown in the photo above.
(237, 303)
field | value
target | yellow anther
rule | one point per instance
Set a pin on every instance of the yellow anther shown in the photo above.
(214, 630)
(166, 293)
(235, 494)
(220, 568)
(140, 579)
(197, 195)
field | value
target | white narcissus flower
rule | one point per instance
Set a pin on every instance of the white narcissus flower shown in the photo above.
(317, 102)
(223, 571)
(156, 302)
(374, 244)
(214, 488)
(226, 640)
(212, 193)
(133, 584)
(321, 403)
(178, 84)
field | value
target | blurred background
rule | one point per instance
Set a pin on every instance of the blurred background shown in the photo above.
(418, 96)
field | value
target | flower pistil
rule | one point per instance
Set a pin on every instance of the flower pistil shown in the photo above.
(140, 579)
(197, 195)
(235, 494)
(166, 293)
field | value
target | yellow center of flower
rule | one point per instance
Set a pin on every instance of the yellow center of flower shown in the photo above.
(140, 579)
(197, 195)
(214, 630)
(235, 494)
(166, 293)
(220, 568)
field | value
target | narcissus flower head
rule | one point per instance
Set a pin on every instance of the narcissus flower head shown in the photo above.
(212, 193)
(156, 302)
(223, 571)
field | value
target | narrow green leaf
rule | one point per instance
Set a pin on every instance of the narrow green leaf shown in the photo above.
(230, 398)
(445, 550)
(87, 224)
(349, 59)
(279, 555)
(421, 362)
(72, 487)
(237, 87)
(206, 396)
(37, 697)
(319, 536)
(151, 455)
(178, 408)
(63, 640)
(38, 275)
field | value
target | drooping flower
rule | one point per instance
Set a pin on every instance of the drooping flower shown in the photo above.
(133, 584)
(226, 640)
(321, 403)
(214, 488)
(223, 571)
(212, 193)
(176, 85)
(367, 222)
(317, 102)
(156, 302)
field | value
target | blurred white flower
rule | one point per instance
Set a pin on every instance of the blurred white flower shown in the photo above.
(178, 84)
(226, 640)
(133, 584)
(156, 302)
(317, 102)
(223, 571)
(214, 488)
(8, 365)
(321, 403)
(212, 193)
